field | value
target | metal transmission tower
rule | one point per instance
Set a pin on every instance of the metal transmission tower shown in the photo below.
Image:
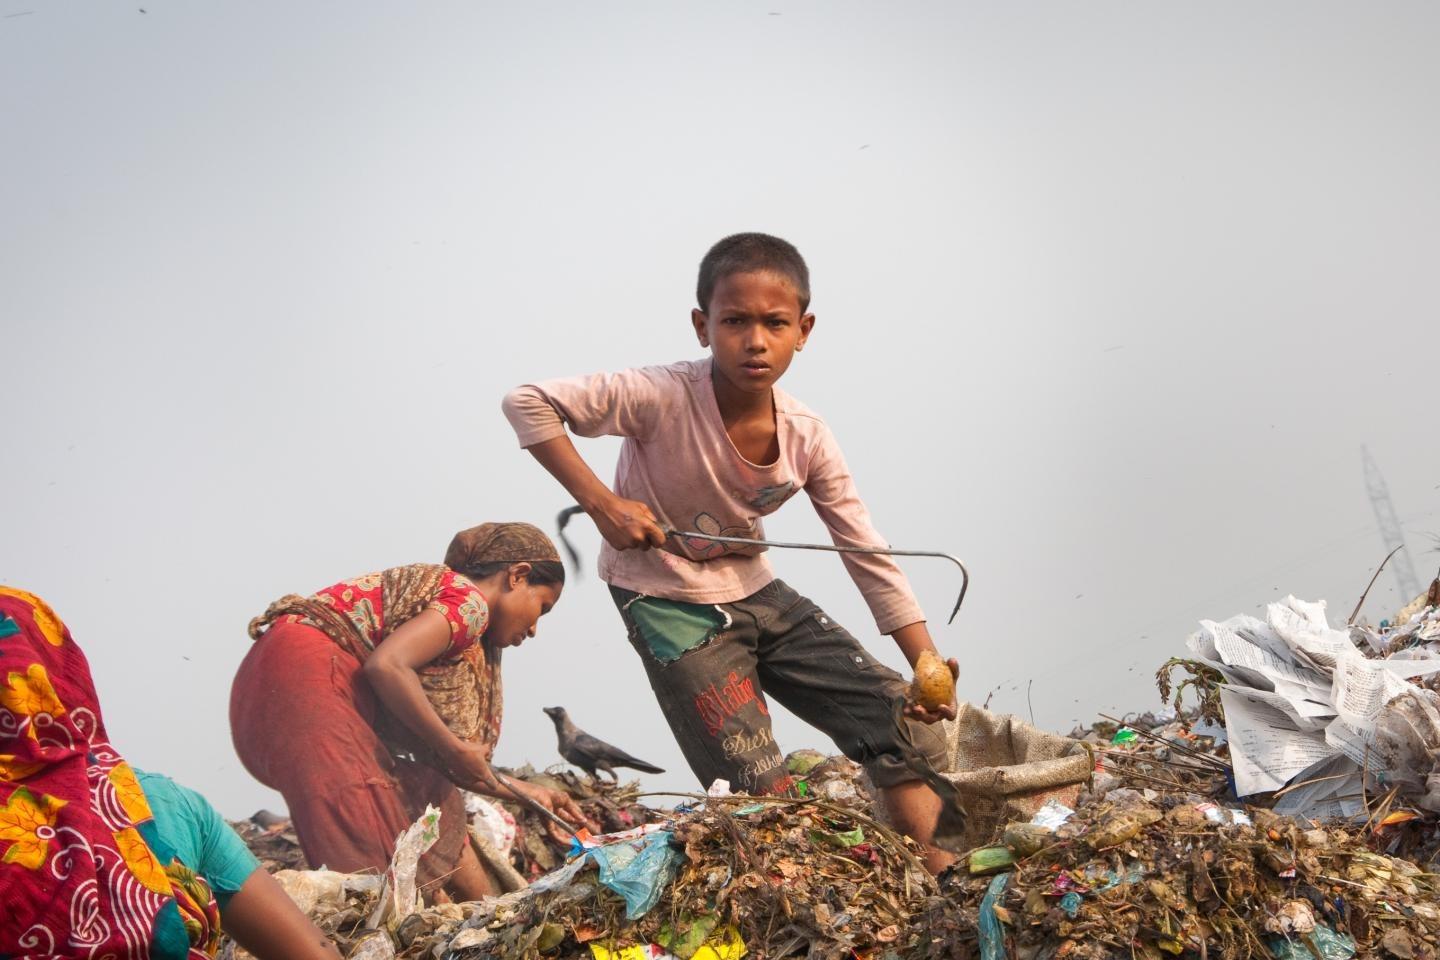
(1390, 530)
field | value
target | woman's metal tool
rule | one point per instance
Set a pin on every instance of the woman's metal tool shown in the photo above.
(569, 512)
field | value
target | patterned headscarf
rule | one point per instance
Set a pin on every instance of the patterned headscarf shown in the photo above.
(84, 868)
(499, 543)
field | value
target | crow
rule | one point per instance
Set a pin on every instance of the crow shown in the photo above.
(589, 754)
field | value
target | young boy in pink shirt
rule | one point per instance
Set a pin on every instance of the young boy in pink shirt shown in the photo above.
(712, 446)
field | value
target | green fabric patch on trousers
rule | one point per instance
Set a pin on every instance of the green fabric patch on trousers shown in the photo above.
(671, 628)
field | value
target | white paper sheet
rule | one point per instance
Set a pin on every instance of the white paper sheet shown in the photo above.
(1332, 791)
(1238, 650)
(1265, 749)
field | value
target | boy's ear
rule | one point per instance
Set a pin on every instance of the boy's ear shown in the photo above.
(697, 320)
(807, 323)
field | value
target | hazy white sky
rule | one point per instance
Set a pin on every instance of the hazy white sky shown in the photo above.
(1109, 297)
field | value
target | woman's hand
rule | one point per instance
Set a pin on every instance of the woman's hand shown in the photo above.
(468, 766)
(557, 803)
(628, 524)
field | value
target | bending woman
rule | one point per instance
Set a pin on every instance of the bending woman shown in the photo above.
(96, 858)
(369, 700)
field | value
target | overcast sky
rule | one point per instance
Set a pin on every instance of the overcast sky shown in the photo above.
(1109, 298)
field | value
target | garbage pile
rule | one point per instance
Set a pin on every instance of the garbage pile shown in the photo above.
(725, 876)
(1330, 734)
(717, 878)
(1288, 812)
(273, 841)
(1144, 873)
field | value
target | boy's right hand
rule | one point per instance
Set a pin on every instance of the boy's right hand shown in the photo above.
(628, 525)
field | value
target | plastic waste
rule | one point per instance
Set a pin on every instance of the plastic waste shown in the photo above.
(703, 941)
(800, 762)
(836, 791)
(848, 838)
(560, 879)
(638, 872)
(691, 939)
(990, 859)
(315, 889)
(992, 933)
(374, 946)
(585, 840)
(1223, 815)
(400, 898)
(1027, 839)
(1328, 945)
(1052, 814)
(1120, 826)
(727, 945)
(492, 822)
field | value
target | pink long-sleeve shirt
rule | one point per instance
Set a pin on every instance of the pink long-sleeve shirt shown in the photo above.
(678, 460)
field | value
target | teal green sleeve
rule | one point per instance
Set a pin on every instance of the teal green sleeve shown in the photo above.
(200, 837)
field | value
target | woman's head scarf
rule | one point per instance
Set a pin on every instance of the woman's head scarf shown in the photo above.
(499, 543)
(85, 871)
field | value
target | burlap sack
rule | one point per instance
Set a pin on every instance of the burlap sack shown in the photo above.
(1002, 769)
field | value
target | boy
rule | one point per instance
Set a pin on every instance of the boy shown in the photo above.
(712, 446)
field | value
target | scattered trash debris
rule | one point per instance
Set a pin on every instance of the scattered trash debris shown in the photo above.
(1291, 812)
(768, 876)
(1149, 873)
(273, 841)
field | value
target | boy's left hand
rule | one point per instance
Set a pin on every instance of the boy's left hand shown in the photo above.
(915, 711)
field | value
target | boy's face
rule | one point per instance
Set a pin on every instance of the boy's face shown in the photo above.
(752, 328)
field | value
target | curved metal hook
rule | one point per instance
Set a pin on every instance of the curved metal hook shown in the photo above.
(569, 512)
(832, 548)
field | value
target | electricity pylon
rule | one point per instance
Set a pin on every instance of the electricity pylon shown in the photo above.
(1390, 530)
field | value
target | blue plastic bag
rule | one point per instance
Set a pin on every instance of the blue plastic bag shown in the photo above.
(1329, 945)
(992, 934)
(639, 871)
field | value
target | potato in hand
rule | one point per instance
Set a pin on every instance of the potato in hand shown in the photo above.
(934, 685)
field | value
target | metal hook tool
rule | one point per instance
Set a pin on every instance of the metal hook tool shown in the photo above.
(569, 512)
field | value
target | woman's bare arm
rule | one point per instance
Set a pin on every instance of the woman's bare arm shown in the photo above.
(265, 921)
(391, 673)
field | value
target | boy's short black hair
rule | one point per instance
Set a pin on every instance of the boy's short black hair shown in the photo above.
(749, 253)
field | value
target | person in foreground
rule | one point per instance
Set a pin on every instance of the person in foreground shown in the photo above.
(378, 696)
(713, 446)
(97, 858)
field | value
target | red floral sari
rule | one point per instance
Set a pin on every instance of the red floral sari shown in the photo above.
(83, 871)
